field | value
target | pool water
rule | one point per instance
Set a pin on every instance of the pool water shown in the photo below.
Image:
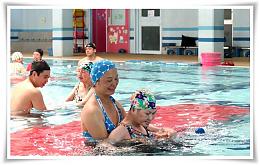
(188, 95)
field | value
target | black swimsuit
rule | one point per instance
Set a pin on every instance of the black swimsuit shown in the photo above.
(135, 133)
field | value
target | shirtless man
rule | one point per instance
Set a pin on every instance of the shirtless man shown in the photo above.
(25, 95)
(90, 50)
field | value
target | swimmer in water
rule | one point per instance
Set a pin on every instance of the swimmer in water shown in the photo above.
(26, 95)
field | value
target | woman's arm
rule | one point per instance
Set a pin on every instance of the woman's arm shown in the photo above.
(86, 98)
(163, 132)
(92, 121)
(71, 95)
(118, 134)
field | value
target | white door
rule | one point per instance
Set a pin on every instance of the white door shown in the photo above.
(150, 31)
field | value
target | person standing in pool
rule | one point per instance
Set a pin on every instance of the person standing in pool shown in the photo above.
(90, 50)
(102, 113)
(37, 56)
(82, 90)
(26, 95)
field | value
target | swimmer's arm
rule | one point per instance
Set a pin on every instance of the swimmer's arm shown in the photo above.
(163, 132)
(153, 128)
(71, 95)
(37, 100)
(118, 134)
(86, 98)
(93, 122)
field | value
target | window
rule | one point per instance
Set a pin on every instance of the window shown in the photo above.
(151, 12)
(117, 17)
(227, 13)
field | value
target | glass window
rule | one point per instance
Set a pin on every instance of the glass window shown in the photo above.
(117, 17)
(227, 13)
(151, 12)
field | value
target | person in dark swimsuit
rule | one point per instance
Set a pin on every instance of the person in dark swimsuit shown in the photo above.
(102, 113)
(37, 56)
(138, 118)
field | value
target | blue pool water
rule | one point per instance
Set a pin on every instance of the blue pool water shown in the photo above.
(173, 84)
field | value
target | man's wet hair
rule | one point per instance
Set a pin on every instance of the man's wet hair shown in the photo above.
(39, 67)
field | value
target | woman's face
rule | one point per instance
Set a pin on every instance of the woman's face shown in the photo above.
(83, 76)
(37, 56)
(108, 83)
(144, 117)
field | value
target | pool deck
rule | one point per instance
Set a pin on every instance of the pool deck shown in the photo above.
(238, 61)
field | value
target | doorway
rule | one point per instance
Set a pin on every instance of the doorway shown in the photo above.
(99, 29)
(150, 28)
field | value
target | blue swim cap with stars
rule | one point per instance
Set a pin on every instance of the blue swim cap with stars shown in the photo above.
(99, 68)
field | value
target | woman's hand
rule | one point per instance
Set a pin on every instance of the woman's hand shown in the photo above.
(165, 133)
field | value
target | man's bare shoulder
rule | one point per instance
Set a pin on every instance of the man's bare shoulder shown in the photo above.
(27, 87)
(82, 60)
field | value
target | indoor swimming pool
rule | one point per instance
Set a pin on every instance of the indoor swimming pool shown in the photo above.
(188, 97)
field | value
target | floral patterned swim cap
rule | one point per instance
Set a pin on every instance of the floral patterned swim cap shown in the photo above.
(143, 99)
(86, 65)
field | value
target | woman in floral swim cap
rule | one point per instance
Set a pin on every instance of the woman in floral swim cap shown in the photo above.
(82, 90)
(136, 124)
(138, 118)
